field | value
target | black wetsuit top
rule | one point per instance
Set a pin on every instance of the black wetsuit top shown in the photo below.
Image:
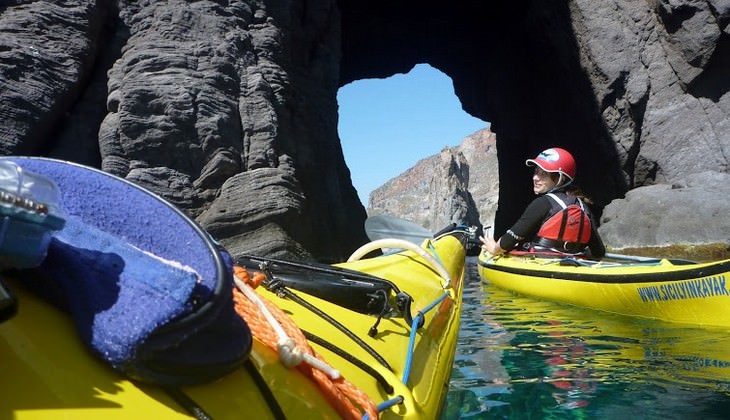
(524, 231)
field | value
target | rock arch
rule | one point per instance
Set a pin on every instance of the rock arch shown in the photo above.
(516, 65)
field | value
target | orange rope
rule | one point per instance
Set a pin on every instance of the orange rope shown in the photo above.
(340, 393)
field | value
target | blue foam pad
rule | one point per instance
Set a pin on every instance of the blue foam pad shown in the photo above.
(122, 209)
(149, 291)
(118, 294)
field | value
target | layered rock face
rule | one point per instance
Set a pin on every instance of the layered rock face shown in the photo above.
(458, 185)
(228, 108)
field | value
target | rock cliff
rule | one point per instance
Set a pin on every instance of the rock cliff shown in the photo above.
(458, 185)
(228, 108)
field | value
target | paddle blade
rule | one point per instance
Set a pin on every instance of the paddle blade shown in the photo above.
(382, 227)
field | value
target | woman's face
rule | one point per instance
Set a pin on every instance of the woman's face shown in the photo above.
(542, 182)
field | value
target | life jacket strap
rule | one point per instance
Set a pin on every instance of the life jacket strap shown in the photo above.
(569, 247)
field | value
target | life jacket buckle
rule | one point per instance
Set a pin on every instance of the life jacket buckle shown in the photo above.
(571, 246)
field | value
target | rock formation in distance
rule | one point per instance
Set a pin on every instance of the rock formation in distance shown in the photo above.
(458, 185)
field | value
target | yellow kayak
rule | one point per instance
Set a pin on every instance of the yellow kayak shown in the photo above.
(47, 372)
(370, 337)
(585, 349)
(675, 291)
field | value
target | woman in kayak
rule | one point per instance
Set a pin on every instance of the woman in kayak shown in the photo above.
(558, 220)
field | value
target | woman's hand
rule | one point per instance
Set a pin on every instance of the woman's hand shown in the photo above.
(490, 245)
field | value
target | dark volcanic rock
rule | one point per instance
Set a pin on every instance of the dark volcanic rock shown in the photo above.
(658, 215)
(201, 95)
(47, 51)
(196, 100)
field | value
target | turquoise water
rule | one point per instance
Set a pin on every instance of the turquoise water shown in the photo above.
(521, 358)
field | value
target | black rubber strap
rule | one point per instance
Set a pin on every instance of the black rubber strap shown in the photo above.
(197, 411)
(263, 387)
(291, 295)
(387, 387)
(561, 245)
(187, 403)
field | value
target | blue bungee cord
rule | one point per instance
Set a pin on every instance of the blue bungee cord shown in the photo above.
(435, 254)
(409, 359)
(417, 320)
(385, 405)
(412, 342)
(414, 329)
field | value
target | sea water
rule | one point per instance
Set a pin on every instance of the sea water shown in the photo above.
(522, 358)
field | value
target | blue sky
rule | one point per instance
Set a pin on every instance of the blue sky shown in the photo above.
(387, 125)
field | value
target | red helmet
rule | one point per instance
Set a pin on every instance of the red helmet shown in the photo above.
(555, 159)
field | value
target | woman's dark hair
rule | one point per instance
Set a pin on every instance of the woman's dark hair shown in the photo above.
(576, 191)
(570, 188)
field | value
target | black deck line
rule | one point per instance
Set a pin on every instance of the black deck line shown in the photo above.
(686, 274)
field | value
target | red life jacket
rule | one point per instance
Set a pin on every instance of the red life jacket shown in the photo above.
(568, 228)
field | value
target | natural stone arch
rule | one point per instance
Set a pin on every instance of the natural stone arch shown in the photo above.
(516, 65)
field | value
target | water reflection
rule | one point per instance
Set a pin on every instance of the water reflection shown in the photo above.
(524, 358)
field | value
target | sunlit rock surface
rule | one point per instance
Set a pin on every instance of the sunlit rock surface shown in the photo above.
(458, 185)
(694, 210)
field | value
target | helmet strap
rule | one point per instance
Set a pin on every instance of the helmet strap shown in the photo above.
(560, 186)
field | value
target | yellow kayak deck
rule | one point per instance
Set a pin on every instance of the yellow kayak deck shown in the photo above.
(667, 290)
(47, 372)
